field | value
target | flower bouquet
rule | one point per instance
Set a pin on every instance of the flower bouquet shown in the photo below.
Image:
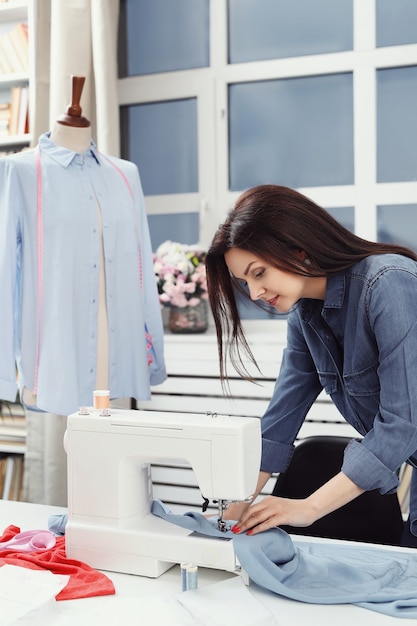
(180, 274)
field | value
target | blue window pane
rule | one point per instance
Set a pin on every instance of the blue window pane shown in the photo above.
(272, 29)
(163, 35)
(397, 124)
(344, 215)
(398, 224)
(181, 227)
(161, 138)
(296, 132)
(396, 22)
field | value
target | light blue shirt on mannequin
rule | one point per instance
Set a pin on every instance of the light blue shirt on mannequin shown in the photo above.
(72, 185)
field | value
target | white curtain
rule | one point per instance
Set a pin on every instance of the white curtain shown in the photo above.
(77, 37)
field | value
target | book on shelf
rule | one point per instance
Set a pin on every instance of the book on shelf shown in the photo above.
(14, 50)
(5, 109)
(19, 102)
(11, 477)
(12, 449)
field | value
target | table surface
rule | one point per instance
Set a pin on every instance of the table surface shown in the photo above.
(135, 589)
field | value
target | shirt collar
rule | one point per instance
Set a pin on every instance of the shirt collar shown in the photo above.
(62, 155)
(335, 291)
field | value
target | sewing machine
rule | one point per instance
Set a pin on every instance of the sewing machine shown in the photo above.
(110, 524)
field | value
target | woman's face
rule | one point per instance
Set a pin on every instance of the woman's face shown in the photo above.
(278, 288)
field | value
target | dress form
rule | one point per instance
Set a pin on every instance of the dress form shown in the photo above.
(45, 476)
(73, 131)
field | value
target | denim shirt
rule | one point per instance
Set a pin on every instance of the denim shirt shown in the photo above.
(360, 346)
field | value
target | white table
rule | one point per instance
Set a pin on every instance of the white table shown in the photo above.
(137, 590)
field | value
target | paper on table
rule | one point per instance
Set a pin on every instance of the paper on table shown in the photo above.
(224, 603)
(23, 589)
(110, 610)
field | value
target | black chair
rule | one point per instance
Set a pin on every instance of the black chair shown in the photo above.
(371, 518)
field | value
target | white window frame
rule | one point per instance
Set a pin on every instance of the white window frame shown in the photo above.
(210, 87)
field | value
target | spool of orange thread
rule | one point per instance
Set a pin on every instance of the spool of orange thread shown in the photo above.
(101, 398)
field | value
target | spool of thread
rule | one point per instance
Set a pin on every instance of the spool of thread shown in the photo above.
(192, 576)
(101, 398)
(183, 568)
(189, 576)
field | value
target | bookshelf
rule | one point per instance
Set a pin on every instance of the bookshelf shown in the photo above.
(15, 74)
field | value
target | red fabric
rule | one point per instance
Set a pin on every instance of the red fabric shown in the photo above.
(84, 581)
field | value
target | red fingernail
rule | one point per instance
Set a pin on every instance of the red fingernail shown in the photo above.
(249, 532)
(235, 529)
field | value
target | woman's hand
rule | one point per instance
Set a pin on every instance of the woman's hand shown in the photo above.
(273, 511)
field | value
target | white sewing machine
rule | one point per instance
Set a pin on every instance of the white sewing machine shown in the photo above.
(110, 524)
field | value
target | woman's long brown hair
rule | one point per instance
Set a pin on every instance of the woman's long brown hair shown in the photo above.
(274, 222)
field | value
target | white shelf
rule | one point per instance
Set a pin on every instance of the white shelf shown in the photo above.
(15, 140)
(13, 11)
(12, 448)
(8, 80)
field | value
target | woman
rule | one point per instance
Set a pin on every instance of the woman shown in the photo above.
(352, 330)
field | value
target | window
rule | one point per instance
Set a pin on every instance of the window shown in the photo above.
(328, 107)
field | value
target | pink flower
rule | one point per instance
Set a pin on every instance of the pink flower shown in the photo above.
(180, 273)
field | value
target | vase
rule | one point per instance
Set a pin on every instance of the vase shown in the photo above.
(188, 319)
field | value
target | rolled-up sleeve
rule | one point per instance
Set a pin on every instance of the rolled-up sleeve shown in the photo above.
(366, 470)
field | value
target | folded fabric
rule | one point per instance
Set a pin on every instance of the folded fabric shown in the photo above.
(57, 523)
(320, 573)
(84, 581)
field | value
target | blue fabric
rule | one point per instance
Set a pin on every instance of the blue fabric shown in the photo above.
(318, 573)
(72, 184)
(57, 523)
(360, 347)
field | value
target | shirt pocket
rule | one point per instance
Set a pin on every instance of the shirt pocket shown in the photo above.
(328, 381)
(363, 383)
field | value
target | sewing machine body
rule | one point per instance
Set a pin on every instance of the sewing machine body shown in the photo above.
(110, 524)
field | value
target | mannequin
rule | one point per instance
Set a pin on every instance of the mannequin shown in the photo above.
(75, 247)
(45, 476)
(73, 131)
